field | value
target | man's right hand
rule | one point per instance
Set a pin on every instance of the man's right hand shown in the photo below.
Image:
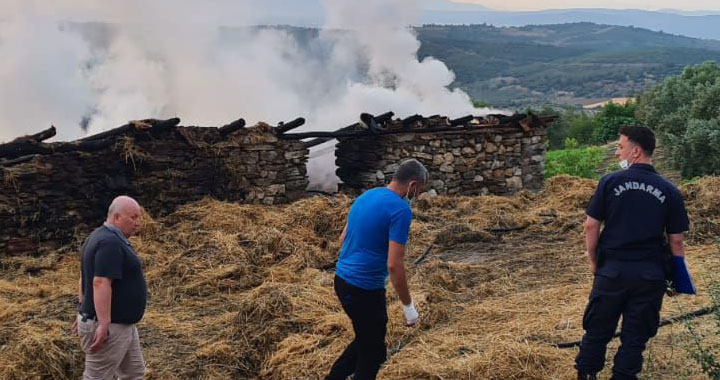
(101, 335)
(411, 314)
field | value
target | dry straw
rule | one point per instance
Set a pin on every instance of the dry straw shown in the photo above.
(245, 291)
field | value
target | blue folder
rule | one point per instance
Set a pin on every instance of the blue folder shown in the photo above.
(682, 282)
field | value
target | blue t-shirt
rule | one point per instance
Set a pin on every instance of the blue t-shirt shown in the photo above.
(376, 217)
(638, 207)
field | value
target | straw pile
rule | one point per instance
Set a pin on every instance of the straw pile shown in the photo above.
(245, 291)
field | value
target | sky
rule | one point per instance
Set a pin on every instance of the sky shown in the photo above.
(532, 5)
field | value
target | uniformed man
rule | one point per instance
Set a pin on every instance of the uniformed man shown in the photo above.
(113, 295)
(373, 246)
(641, 212)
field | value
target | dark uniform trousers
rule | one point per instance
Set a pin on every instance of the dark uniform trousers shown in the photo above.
(368, 312)
(633, 290)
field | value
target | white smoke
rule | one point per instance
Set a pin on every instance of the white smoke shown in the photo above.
(200, 61)
(41, 74)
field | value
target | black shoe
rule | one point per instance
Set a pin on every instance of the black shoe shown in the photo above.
(586, 376)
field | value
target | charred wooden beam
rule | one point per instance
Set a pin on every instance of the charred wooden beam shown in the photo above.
(110, 133)
(321, 140)
(152, 125)
(461, 120)
(285, 127)
(384, 117)
(320, 134)
(545, 120)
(529, 122)
(370, 123)
(317, 141)
(232, 127)
(37, 137)
(505, 119)
(411, 120)
(42, 136)
(24, 148)
(375, 124)
(16, 161)
(160, 126)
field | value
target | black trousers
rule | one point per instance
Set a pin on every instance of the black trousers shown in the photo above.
(368, 312)
(633, 290)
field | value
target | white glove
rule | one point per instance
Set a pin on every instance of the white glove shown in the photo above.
(411, 315)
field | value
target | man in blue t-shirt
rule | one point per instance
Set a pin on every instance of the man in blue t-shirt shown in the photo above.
(639, 209)
(373, 247)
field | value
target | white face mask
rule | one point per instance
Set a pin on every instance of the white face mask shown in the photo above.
(624, 164)
(408, 199)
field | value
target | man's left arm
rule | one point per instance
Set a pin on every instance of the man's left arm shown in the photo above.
(592, 236)
(677, 224)
(595, 215)
(676, 242)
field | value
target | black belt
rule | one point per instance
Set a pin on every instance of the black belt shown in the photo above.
(86, 316)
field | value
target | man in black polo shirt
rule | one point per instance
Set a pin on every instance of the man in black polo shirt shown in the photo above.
(112, 296)
(642, 212)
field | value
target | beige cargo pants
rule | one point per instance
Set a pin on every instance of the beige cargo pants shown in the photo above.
(120, 357)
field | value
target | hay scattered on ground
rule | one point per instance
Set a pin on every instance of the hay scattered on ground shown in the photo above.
(244, 291)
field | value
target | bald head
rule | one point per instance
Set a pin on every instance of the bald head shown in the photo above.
(124, 214)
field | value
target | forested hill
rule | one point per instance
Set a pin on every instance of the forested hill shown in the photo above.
(564, 63)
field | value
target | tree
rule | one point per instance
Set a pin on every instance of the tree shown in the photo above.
(610, 119)
(684, 111)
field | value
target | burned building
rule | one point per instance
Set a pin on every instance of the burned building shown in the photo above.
(48, 190)
(494, 154)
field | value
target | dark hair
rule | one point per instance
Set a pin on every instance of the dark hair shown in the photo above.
(640, 135)
(411, 170)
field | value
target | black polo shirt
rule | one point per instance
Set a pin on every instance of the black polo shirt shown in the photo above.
(638, 207)
(106, 253)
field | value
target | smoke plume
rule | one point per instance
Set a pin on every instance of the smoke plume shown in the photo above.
(88, 66)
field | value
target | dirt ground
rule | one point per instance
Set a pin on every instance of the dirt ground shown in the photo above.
(245, 292)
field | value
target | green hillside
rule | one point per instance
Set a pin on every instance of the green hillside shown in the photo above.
(564, 64)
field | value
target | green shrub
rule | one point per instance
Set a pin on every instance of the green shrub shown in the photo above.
(581, 162)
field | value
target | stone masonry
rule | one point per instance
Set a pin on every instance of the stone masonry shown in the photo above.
(499, 160)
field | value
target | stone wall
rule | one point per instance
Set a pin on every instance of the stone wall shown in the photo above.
(484, 160)
(46, 198)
